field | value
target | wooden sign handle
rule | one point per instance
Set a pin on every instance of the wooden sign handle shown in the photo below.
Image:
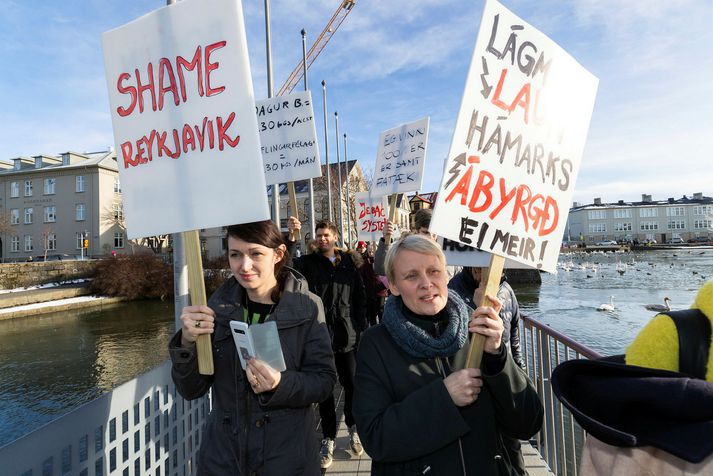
(490, 279)
(296, 235)
(196, 286)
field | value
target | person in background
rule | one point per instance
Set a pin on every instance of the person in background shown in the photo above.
(333, 276)
(375, 290)
(418, 409)
(261, 421)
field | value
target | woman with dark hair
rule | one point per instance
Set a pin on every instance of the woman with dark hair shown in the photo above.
(261, 420)
(418, 409)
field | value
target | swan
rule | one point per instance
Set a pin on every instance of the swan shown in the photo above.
(658, 307)
(607, 307)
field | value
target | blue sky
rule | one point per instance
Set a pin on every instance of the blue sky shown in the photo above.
(396, 61)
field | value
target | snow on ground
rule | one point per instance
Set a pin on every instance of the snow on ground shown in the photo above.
(46, 304)
(43, 286)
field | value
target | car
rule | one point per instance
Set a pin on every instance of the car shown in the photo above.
(55, 257)
(677, 240)
(699, 239)
(606, 243)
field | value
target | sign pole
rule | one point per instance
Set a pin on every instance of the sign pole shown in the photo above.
(293, 208)
(490, 279)
(197, 289)
(268, 55)
(339, 176)
(326, 154)
(311, 184)
(349, 207)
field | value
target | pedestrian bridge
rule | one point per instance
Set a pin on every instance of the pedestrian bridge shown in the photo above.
(144, 427)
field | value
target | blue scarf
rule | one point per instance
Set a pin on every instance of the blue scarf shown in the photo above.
(417, 342)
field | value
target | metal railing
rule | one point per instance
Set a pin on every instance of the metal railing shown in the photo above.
(561, 438)
(141, 428)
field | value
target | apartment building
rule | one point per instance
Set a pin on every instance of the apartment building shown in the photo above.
(56, 205)
(685, 218)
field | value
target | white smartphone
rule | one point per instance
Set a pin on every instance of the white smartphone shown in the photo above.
(243, 342)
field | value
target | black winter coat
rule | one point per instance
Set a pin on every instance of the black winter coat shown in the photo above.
(409, 424)
(271, 433)
(343, 296)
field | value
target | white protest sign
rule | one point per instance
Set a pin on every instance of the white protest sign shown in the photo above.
(288, 138)
(458, 254)
(183, 113)
(372, 214)
(517, 145)
(400, 158)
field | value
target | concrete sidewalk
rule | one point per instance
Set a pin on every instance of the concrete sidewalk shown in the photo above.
(32, 296)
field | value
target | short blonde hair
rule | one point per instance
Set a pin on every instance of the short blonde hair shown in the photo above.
(417, 243)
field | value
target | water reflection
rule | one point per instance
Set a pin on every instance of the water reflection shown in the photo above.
(52, 363)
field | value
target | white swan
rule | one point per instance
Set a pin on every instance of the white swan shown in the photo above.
(607, 307)
(660, 308)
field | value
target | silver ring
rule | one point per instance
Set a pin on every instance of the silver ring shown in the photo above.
(198, 323)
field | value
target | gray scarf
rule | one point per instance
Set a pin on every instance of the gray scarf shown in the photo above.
(417, 342)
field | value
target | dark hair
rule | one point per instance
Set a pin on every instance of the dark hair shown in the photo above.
(326, 224)
(423, 218)
(267, 234)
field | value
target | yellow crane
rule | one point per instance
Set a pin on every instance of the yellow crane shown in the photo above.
(296, 76)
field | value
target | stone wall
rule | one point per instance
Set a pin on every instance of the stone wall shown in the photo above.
(16, 275)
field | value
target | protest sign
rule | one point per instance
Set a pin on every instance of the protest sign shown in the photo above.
(458, 254)
(183, 114)
(288, 137)
(400, 158)
(371, 216)
(517, 145)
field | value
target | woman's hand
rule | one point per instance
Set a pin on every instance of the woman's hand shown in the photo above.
(261, 376)
(464, 386)
(293, 227)
(486, 321)
(196, 320)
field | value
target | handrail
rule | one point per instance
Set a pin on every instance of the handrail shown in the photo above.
(581, 349)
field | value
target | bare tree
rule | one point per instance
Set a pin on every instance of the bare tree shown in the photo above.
(113, 215)
(47, 233)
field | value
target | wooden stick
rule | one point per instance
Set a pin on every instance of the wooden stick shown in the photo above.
(296, 235)
(196, 286)
(392, 215)
(491, 277)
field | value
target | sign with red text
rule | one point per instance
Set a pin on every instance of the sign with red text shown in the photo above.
(372, 214)
(288, 138)
(183, 113)
(517, 145)
(458, 254)
(400, 158)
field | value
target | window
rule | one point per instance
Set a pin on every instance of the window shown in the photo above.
(15, 216)
(702, 224)
(28, 243)
(622, 213)
(51, 242)
(676, 225)
(620, 226)
(50, 214)
(79, 183)
(79, 212)
(14, 189)
(675, 212)
(15, 244)
(649, 225)
(703, 210)
(117, 185)
(118, 211)
(29, 212)
(49, 186)
(597, 228)
(648, 212)
(597, 214)
(28, 188)
(79, 240)
(118, 240)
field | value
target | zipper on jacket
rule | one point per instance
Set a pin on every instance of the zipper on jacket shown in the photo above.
(442, 371)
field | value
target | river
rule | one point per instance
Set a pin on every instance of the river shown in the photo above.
(53, 363)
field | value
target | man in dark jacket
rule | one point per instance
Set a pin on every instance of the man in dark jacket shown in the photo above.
(333, 276)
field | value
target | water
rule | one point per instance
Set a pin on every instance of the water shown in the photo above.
(55, 362)
(568, 301)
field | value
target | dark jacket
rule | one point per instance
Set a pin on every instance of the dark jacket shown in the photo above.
(409, 424)
(342, 293)
(272, 433)
(464, 284)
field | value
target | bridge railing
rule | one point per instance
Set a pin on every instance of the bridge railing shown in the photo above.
(142, 427)
(561, 438)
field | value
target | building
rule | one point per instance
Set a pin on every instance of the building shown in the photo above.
(60, 205)
(644, 221)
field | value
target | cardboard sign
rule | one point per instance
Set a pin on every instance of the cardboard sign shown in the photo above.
(371, 216)
(517, 145)
(183, 113)
(288, 137)
(400, 158)
(458, 254)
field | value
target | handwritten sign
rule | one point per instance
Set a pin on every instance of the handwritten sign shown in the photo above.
(400, 159)
(517, 146)
(458, 254)
(372, 214)
(288, 137)
(183, 114)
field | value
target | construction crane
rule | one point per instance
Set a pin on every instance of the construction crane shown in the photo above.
(296, 76)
